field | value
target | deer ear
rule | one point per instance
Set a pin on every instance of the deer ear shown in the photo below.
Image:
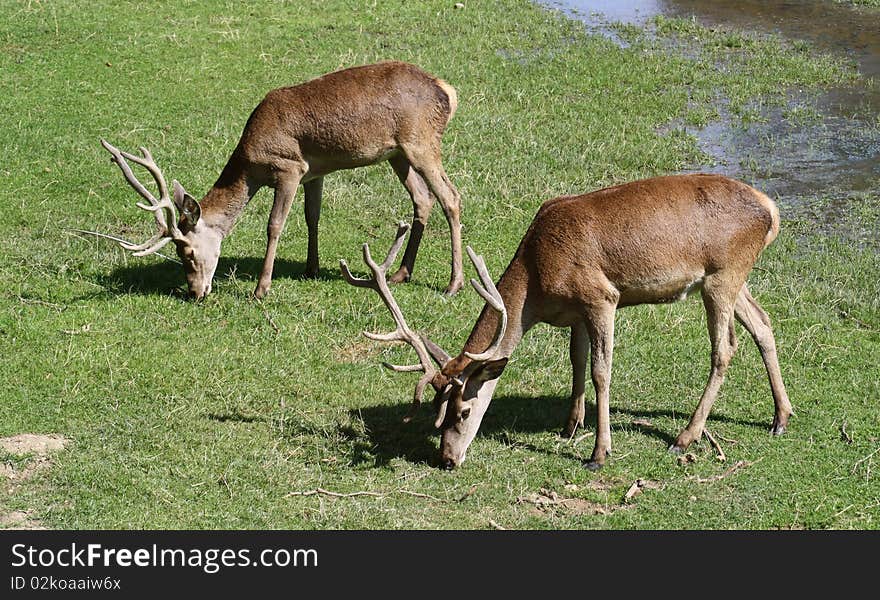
(186, 204)
(491, 369)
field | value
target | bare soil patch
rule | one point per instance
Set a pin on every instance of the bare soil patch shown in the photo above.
(35, 451)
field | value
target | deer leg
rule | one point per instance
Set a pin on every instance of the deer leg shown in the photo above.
(422, 201)
(600, 327)
(577, 352)
(755, 320)
(285, 190)
(719, 314)
(427, 164)
(312, 207)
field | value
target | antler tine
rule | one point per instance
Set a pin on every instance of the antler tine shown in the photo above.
(403, 368)
(163, 209)
(119, 158)
(402, 228)
(402, 333)
(493, 298)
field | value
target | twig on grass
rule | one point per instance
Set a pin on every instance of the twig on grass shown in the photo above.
(725, 439)
(57, 307)
(844, 435)
(323, 492)
(863, 459)
(468, 493)
(268, 317)
(582, 438)
(497, 526)
(638, 486)
(634, 490)
(715, 444)
(730, 471)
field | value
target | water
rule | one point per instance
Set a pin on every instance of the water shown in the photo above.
(837, 155)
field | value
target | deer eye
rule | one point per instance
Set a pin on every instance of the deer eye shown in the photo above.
(465, 414)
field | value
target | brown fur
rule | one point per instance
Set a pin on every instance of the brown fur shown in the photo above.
(648, 241)
(389, 111)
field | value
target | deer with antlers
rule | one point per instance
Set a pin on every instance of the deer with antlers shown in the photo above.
(390, 111)
(582, 258)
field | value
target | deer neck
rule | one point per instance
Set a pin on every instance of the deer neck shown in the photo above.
(225, 202)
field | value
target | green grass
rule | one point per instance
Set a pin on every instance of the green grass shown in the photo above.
(187, 415)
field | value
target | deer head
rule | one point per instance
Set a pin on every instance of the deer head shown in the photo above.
(463, 385)
(198, 244)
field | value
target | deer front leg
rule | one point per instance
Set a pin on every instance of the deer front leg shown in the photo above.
(312, 207)
(577, 352)
(285, 190)
(600, 327)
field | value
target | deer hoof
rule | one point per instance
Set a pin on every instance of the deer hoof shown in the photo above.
(593, 465)
(453, 288)
(261, 292)
(401, 276)
(675, 449)
(777, 429)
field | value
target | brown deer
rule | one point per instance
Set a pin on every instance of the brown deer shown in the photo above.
(351, 118)
(582, 258)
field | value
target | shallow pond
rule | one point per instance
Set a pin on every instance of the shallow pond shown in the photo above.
(835, 156)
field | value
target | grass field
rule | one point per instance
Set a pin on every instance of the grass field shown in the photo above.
(203, 415)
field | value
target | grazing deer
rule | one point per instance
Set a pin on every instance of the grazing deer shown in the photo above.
(582, 258)
(360, 116)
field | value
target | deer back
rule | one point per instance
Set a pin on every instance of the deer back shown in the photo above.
(348, 118)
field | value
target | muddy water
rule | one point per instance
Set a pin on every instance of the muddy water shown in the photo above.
(835, 156)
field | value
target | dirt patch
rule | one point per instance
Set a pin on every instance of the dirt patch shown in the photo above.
(32, 453)
(638, 486)
(27, 443)
(549, 502)
(546, 501)
(18, 519)
(357, 352)
(23, 445)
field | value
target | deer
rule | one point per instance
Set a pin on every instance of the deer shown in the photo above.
(389, 111)
(583, 257)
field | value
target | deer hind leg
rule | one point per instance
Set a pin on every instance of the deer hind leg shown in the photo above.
(600, 327)
(755, 320)
(577, 352)
(312, 206)
(719, 301)
(426, 162)
(285, 190)
(422, 201)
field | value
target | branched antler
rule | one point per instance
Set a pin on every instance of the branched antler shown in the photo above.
(163, 209)
(490, 294)
(402, 333)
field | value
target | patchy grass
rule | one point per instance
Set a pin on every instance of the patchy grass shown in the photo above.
(201, 415)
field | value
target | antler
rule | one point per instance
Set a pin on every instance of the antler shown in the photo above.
(490, 294)
(402, 333)
(163, 209)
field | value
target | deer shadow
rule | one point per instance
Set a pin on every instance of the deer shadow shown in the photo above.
(167, 278)
(389, 438)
